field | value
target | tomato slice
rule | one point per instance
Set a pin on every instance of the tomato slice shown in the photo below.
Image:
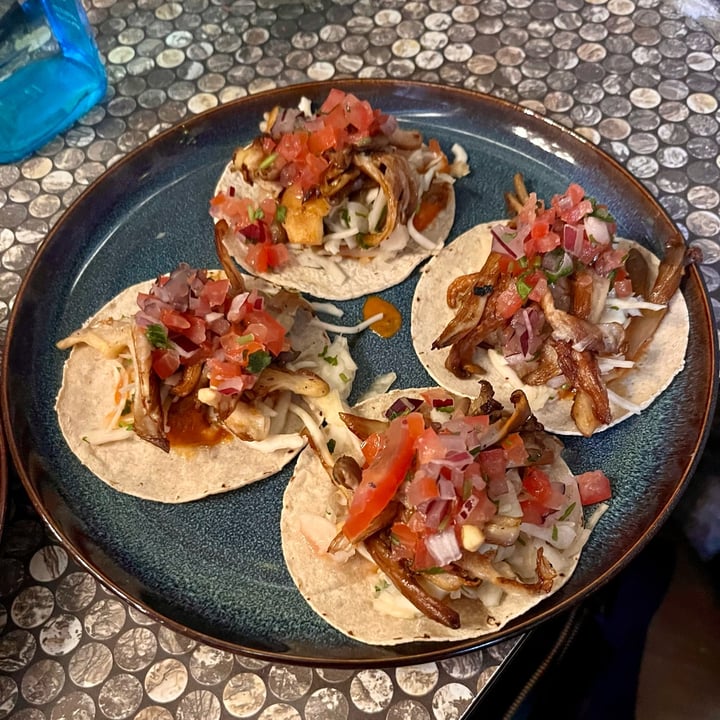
(381, 479)
(594, 487)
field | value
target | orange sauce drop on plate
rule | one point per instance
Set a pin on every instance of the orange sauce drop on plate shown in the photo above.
(391, 320)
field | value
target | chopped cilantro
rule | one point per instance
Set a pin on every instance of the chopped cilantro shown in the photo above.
(258, 361)
(344, 377)
(157, 336)
(522, 286)
(331, 445)
(331, 359)
(268, 161)
(567, 512)
(280, 213)
(446, 408)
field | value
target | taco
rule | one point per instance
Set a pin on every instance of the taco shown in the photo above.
(590, 326)
(458, 517)
(338, 202)
(195, 383)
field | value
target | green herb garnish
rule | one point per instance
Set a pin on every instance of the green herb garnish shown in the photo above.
(268, 161)
(331, 359)
(567, 512)
(280, 213)
(157, 336)
(331, 445)
(554, 532)
(258, 361)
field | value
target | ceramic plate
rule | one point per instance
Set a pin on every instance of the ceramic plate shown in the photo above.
(214, 568)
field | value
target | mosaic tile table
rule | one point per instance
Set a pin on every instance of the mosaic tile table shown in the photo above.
(641, 79)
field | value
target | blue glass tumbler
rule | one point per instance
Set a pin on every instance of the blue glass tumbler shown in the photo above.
(50, 72)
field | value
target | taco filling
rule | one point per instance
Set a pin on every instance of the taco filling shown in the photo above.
(560, 306)
(458, 516)
(200, 365)
(325, 189)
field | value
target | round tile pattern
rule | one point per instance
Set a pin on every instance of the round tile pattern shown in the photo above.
(637, 77)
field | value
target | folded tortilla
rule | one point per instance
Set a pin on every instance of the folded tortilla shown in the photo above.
(344, 593)
(653, 373)
(136, 467)
(334, 277)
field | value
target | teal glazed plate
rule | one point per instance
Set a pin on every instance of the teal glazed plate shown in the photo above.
(213, 569)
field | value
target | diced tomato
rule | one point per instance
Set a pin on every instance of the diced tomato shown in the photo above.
(421, 489)
(322, 140)
(403, 541)
(577, 213)
(575, 192)
(312, 171)
(236, 210)
(221, 370)
(214, 292)
(423, 560)
(623, 288)
(197, 330)
(484, 510)
(539, 290)
(429, 447)
(335, 97)
(277, 255)
(594, 487)
(536, 483)
(257, 256)
(514, 449)
(165, 362)
(533, 511)
(268, 206)
(509, 302)
(383, 476)
(493, 463)
(293, 146)
(371, 446)
(359, 114)
(266, 329)
(173, 320)
(548, 242)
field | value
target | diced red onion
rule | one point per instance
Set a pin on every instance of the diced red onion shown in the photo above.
(442, 402)
(444, 547)
(507, 241)
(402, 406)
(237, 302)
(573, 236)
(467, 507)
(446, 489)
(436, 511)
(597, 229)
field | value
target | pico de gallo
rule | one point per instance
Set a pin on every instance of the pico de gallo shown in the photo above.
(342, 179)
(557, 300)
(191, 319)
(444, 493)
